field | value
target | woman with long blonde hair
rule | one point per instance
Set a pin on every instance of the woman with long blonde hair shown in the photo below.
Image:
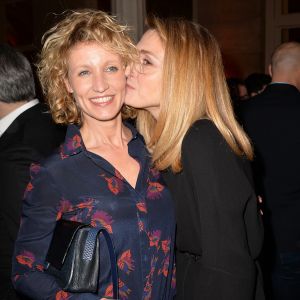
(186, 118)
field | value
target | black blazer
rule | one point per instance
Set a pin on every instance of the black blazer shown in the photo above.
(272, 120)
(219, 229)
(31, 137)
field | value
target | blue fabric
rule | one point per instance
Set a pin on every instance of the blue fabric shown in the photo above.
(79, 185)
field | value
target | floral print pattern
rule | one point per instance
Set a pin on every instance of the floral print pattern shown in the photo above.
(78, 185)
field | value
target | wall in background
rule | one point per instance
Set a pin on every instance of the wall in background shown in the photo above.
(239, 28)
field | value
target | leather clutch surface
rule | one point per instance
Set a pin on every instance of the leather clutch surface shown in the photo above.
(74, 257)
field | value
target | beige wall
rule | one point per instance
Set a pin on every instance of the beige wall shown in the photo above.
(238, 25)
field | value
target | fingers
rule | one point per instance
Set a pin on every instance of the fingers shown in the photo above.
(260, 201)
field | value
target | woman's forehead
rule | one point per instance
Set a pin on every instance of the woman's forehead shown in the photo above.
(150, 42)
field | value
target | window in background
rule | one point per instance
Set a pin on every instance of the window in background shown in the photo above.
(282, 24)
(290, 6)
(290, 34)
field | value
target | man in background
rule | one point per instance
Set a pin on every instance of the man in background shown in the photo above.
(256, 83)
(272, 120)
(27, 134)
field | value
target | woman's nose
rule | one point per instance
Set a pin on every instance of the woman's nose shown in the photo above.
(132, 70)
(100, 84)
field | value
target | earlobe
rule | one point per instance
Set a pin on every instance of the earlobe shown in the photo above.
(68, 86)
(270, 70)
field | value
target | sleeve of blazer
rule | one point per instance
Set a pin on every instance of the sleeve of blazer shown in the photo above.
(37, 225)
(228, 217)
(14, 175)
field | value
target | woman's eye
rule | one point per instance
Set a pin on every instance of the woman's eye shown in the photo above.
(112, 69)
(83, 73)
(145, 61)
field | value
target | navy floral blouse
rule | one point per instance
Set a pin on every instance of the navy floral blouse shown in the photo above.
(76, 184)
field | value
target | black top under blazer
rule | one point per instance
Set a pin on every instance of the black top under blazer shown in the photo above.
(219, 229)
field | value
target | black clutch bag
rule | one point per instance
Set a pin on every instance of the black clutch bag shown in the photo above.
(74, 257)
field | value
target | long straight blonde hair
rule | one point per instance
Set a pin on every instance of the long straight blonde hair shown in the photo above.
(193, 88)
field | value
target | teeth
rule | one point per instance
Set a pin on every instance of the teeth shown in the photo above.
(101, 99)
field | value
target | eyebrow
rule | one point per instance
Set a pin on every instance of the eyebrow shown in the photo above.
(147, 52)
(109, 62)
(150, 53)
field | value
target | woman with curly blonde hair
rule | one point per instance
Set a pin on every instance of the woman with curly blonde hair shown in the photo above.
(189, 127)
(102, 175)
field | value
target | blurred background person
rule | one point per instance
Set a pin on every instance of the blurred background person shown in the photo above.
(256, 83)
(237, 91)
(27, 134)
(188, 123)
(272, 121)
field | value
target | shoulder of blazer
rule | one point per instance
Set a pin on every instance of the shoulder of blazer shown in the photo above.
(203, 131)
(32, 113)
(203, 142)
(275, 92)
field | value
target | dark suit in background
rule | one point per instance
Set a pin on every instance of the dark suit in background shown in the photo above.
(272, 120)
(30, 136)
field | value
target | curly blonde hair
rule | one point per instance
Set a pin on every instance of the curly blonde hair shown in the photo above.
(84, 25)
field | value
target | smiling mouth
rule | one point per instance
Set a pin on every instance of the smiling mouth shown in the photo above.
(101, 100)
